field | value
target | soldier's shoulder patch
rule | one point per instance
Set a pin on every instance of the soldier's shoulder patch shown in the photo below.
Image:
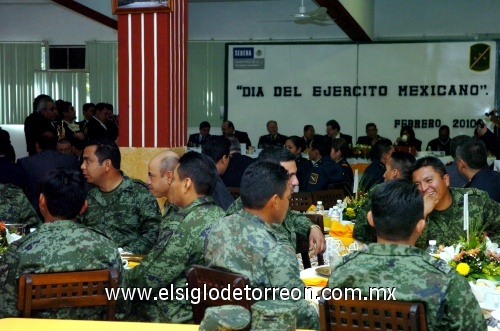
(314, 178)
(345, 165)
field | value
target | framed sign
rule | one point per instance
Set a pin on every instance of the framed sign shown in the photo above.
(145, 6)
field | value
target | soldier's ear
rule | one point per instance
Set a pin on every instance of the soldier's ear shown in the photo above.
(369, 217)
(42, 203)
(186, 184)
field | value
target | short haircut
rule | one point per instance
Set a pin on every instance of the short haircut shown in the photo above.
(62, 107)
(101, 105)
(200, 169)
(397, 206)
(369, 125)
(204, 124)
(473, 152)
(271, 121)
(403, 161)
(87, 106)
(65, 191)
(235, 144)
(380, 148)
(260, 181)
(168, 163)
(430, 161)
(340, 145)
(37, 100)
(457, 141)
(298, 142)
(276, 154)
(334, 124)
(444, 127)
(322, 144)
(107, 149)
(5, 144)
(64, 141)
(307, 127)
(46, 141)
(42, 103)
(230, 124)
(216, 147)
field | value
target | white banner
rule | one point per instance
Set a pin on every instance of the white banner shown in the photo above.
(421, 84)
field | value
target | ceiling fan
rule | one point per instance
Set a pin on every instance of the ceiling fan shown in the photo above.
(318, 16)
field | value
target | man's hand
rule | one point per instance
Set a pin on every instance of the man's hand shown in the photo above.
(481, 131)
(430, 202)
(317, 237)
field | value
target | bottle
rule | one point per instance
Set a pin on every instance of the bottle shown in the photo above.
(340, 208)
(432, 249)
(320, 209)
(335, 215)
(429, 149)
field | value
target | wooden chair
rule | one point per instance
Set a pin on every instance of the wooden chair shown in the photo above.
(302, 246)
(328, 197)
(199, 275)
(67, 289)
(346, 187)
(371, 315)
(301, 201)
(235, 192)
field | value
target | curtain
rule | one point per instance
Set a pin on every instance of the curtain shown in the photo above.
(101, 61)
(67, 85)
(205, 82)
(18, 62)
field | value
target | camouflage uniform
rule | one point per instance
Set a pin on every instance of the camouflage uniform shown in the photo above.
(131, 219)
(446, 226)
(323, 173)
(181, 245)
(15, 207)
(243, 243)
(415, 276)
(294, 223)
(59, 246)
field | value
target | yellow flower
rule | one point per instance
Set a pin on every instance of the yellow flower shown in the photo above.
(350, 212)
(463, 269)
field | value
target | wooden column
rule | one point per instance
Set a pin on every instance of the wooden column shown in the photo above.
(152, 73)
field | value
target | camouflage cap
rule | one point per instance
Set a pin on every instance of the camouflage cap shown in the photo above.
(274, 315)
(225, 318)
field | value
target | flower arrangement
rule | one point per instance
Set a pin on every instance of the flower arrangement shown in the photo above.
(361, 151)
(352, 205)
(474, 259)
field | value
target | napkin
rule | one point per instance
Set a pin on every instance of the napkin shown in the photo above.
(315, 281)
(311, 209)
(342, 232)
(132, 264)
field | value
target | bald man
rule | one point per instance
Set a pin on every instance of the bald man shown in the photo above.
(160, 174)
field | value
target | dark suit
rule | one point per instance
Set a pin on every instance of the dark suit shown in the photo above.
(34, 125)
(11, 173)
(70, 135)
(437, 145)
(242, 137)
(304, 167)
(365, 140)
(373, 175)
(486, 180)
(235, 169)
(196, 139)
(492, 143)
(323, 173)
(37, 166)
(267, 140)
(95, 130)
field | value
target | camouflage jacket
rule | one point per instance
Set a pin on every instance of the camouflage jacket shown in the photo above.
(181, 245)
(446, 226)
(245, 244)
(293, 224)
(15, 207)
(59, 246)
(132, 219)
(414, 276)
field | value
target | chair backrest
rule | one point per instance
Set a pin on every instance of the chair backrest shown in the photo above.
(346, 187)
(206, 278)
(328, 197)
(235, 192)
(301, 201)
(371, 315)
(302, 246)
(67, 289)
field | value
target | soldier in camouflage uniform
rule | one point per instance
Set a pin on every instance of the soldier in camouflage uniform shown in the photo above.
(445, 222)
(59, 245)
(16, 208)
(247, 243)
(119, 207)
(184, 245)
(398, 215)
(399, 166)
(294, 223)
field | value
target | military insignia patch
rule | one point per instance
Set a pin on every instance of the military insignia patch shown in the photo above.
(479, 58)
(313, 179)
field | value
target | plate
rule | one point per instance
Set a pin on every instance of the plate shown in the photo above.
(489, 305)
(324, 271)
